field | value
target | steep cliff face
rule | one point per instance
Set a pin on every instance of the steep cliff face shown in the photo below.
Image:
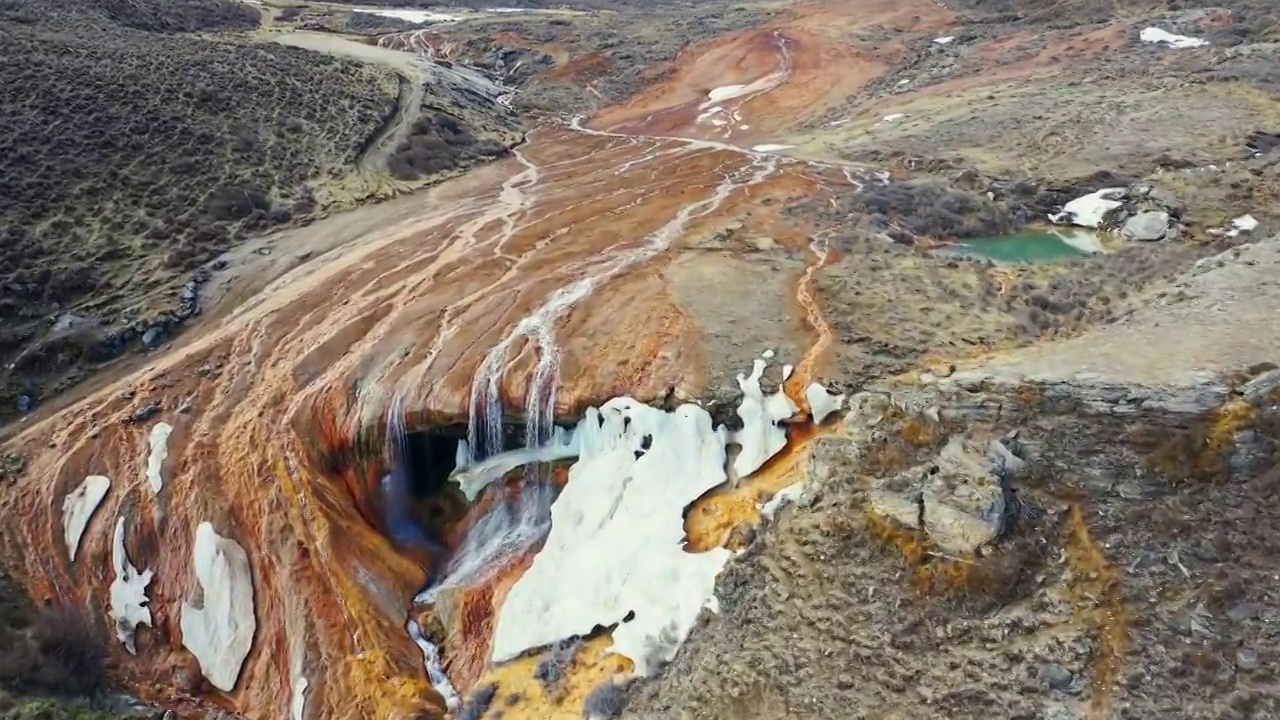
(1076, 530)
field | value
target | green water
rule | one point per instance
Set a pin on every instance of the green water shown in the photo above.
(1032, 246)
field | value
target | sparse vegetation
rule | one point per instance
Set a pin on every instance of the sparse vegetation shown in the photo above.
(128, 161)
(52, 663)
(439, 142)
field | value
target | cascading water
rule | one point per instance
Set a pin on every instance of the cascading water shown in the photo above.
(515, 524)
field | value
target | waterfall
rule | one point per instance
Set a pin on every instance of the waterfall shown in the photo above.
(515, 524)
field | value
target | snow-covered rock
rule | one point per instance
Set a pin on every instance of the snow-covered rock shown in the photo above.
(1089, 210)
(791, 494)
(219, 633)
(78, 508)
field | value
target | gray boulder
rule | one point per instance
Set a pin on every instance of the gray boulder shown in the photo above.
(958, 499)
(1146, 226)
(964, 504)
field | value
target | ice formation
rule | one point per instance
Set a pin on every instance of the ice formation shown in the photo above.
(475, 477)
(1089, 210)
(821, 402)
(220, 633)
(128, 593)
(159, 453)
(78, 509)
(617, 529)
(617, 535)
(761, 436)
(298, 705)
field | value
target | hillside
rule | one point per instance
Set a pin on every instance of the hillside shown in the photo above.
(129, 162)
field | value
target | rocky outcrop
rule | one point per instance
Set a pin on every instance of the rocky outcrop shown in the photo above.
(957, 499)
(1139, 211)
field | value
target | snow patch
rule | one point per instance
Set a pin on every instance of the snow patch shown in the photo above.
(1088, 210)
(414, 16)
(1242, 224)
(786, 496)
(944, 40)
(893, 117)
(128, 593)
(770, 147)
(821, 402)
(1156, 36)
(728, 92)
(78, 508)
(220, 634)
(159, 453)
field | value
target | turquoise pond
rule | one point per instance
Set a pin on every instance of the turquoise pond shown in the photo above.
(1031, 246)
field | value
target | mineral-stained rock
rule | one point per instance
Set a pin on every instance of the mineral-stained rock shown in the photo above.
(219, 632)
(289, 394)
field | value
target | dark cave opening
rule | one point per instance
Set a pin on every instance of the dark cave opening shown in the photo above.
(429, 456)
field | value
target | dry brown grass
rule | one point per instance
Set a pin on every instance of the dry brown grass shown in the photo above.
(1202, 452)
(60, 653)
